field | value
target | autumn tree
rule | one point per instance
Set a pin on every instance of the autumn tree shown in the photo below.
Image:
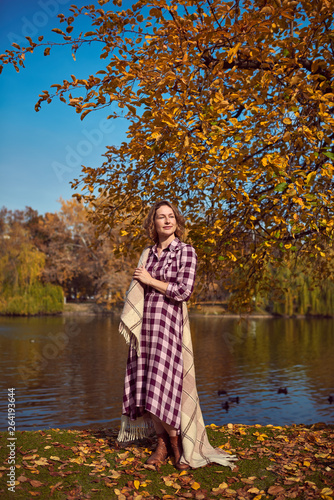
(62, 248)
(81, 261)
(22, 291)
(230, 111)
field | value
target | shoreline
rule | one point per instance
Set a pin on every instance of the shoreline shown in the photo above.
(93, 309)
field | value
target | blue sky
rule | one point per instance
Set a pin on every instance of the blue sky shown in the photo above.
(40, 153)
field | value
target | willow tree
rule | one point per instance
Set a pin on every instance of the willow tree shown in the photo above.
(230, 114)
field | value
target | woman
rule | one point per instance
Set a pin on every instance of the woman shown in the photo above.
(160, 385)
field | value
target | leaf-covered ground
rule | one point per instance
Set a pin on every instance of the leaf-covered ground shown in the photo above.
(275, 463)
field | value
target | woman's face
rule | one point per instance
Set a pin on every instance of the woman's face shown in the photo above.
(165, 222)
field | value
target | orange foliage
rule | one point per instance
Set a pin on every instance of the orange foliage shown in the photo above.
(230, 112)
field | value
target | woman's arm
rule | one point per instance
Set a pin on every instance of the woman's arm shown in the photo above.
(182, 288)
(142, 275)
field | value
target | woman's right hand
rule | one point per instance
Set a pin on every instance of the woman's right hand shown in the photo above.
(142, 275)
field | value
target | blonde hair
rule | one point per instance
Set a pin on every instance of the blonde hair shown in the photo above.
(149, 223)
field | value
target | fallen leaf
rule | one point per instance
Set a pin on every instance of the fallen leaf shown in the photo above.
(35, 483)
(22, 479)
(195, 486)
(55, 486)
(253, 490)
(275, 490)
(114, 474)
(200, 496)
(41, 461)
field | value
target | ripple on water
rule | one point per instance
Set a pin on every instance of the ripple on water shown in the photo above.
(82, 383)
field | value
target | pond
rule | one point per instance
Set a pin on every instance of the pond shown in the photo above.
(68, 371)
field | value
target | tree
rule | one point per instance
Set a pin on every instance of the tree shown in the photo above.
(230, 109)
(21, 266)
(82, 262)
(62, 248)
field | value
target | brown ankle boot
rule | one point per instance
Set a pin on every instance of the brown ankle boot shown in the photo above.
(161, 452)
(176, 444)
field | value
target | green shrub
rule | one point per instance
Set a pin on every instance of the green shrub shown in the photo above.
(39, 298)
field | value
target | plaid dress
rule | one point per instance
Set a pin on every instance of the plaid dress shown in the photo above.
(153, 381)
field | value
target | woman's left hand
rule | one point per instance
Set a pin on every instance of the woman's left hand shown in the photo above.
(142, 275)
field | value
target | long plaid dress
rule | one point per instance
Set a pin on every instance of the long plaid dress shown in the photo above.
(153, 381)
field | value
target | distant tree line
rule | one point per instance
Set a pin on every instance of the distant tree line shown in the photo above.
(46, 258)
(57, 255)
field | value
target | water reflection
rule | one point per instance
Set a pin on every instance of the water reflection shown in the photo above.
(69, 370)
(254, 358)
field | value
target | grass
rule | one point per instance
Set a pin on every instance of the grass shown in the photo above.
(275, 463)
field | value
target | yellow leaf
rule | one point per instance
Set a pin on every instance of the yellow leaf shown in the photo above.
(232, 52)
(195, 486)
(310, 178)
(167, 481)
(327, 491)
(41, 461)
(114, 474)
(54, 458)
(253, 490)
(78, 460)
(136, 484)
(32, 457)
(155, 135)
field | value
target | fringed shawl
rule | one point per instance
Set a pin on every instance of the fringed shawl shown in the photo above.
(197, 450)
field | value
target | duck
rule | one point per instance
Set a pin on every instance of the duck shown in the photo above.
(234, 399)
(221, 391)
(225, 406)
(330, 399)
(282, 390)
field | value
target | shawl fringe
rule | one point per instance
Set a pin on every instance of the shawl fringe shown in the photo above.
(129, 338)
(131, 430)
